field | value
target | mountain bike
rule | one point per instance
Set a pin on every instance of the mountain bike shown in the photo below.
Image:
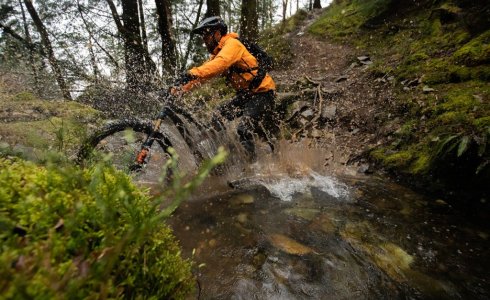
(130, 143)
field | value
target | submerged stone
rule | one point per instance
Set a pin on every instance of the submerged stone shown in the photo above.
(304, 213)
(242, 199)
(393, 260)
(289, 245)
(242, 218)
(324, 223)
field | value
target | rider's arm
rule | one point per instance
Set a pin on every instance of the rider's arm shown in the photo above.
(231, 52)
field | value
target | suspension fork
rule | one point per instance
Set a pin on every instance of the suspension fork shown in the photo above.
(145, 148)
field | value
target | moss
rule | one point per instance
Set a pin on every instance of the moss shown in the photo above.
(45, 124)
(293, 22)
(392, 159)
(24, 96)
(417, 57)
(436, 27)
(53, 133)
(460, 101)
(69, 233)
(422, 163)
(338, 20)
(469, 98)
(483, 123)
(451, 117)
(475, 52)
(407, 129)
(399, 159)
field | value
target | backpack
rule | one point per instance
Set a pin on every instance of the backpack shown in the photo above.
(264, 60)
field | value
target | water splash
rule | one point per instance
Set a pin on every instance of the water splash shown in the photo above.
(285, 188)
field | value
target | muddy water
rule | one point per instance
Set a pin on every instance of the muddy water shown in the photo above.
(301, 233)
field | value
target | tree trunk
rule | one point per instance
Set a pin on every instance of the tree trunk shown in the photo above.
(150, 65)
(134, 53)
(37, 86)
(284, 10)
(191, 36)
(47, 44)
(249, 19)
(164, 15)
(93, 61)
(212, 8)
(317, 4)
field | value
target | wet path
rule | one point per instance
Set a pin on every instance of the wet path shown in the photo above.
(318, 237)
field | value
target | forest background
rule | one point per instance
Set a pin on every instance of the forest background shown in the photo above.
(62, 48)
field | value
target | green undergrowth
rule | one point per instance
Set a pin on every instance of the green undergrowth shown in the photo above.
(44, 124)
(276, 44)
(71, 233)
(433, 45)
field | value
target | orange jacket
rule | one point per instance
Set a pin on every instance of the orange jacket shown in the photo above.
(230, 52)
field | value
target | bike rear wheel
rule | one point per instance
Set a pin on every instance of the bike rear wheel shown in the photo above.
(120, 142)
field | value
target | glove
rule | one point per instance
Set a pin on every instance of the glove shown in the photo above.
(184, 79)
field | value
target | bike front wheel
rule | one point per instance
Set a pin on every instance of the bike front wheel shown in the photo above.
(120, 142)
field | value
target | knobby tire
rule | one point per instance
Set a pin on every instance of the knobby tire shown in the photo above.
(118, 126)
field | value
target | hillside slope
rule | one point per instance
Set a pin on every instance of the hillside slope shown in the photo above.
(404, 87)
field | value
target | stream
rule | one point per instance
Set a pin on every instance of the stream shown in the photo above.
(310, 235)
(288, 227)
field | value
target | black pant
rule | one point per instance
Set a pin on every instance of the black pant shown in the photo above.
(258, 117)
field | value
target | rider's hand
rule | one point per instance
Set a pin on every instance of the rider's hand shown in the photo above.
(184, 79)
(176, 91)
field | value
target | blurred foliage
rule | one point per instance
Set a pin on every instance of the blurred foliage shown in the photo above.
(70, 233)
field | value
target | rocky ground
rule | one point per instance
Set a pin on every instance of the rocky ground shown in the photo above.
(336, 101)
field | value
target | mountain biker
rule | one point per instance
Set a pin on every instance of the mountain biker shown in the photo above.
(230, 58)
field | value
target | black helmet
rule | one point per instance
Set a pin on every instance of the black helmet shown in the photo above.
(211, 23)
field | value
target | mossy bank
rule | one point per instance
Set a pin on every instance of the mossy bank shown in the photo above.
(69, 233)
(436, 54)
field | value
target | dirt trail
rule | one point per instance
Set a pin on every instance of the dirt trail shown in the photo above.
(359, 108)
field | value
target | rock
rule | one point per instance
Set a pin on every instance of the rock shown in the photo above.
(479, 98)
(307, 114)
(329, 111)
(324, 223)
(365, 60)
(441, 202)
(295, 109)
(304, 121)
(289, 245)
(242, 199)
(341, 78)
(364, 168)
(352, 66)
(242, 218)
(427, 89)
(316, 133)
(212, 243)
(303, 213)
